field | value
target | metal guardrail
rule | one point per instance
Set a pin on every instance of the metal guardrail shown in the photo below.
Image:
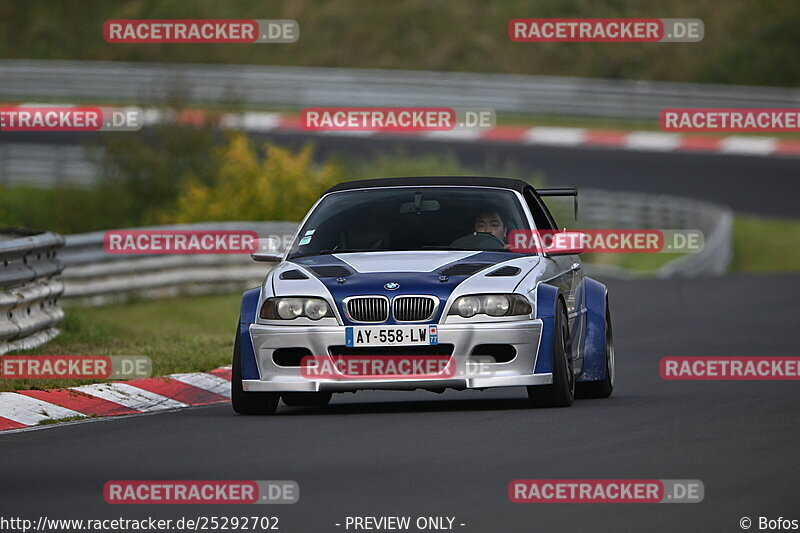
(46, 165)
(154, 83)
(96, 277)
(29, 290)
(628, 210)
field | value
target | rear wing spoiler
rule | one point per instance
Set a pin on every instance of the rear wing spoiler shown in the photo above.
(562, 191)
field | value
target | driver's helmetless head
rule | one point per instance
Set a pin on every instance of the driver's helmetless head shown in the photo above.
(491, 222)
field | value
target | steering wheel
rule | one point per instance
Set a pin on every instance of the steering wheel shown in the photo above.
(481, 240)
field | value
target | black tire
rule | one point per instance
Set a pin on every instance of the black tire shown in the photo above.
(249, 403)
(604, 388)
(306, 399)
(561, 392)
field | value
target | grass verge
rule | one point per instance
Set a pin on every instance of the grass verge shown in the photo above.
(179, 335)
(760, 245)
(51, 421)
(765, 244)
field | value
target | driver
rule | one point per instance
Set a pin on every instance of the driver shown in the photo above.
(489, 232)
(491, 222)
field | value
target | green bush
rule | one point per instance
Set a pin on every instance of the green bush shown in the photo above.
(150, 170)
(179, 174)
(278, 185)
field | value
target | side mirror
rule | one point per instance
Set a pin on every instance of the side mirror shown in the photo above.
(268, 251)
(567, 243)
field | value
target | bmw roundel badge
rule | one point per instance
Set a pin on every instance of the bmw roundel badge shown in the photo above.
(391, 286)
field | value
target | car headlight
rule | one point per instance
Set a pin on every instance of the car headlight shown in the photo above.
(291, 308)
(315, 309)
(467, 306)
(491, 304)
(496, 304)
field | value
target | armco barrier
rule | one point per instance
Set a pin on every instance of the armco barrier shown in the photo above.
(29, 289)
(106, 81)
(96, 277)
(628, 210)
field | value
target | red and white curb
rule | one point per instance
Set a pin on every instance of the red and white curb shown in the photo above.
(648, 141)
(641, 141)
(27, 408)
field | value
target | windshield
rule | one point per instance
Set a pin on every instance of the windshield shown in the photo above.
(411, 218)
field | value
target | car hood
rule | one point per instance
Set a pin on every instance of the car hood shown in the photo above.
(438, 273)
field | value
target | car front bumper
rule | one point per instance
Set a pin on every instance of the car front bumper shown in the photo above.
(524, 336)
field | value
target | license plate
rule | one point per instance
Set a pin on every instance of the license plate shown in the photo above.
(391, 335)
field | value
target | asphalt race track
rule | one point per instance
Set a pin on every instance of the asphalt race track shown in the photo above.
(413, 454)
(750, 184)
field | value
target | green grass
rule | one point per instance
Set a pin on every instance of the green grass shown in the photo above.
(180, 335)
(61, 209)
(766, 244)
(50, 421)
(760, 245)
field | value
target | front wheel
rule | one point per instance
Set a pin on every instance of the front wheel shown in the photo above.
(249, 403)
(604, 388)
(561, 392)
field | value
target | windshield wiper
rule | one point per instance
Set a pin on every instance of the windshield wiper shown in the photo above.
(450, 248)
(339, 251)
(423, 248)
(349, 251)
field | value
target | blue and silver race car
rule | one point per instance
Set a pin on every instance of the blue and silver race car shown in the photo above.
(421, 268)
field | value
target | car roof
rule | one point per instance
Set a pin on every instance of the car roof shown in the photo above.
(468, 181)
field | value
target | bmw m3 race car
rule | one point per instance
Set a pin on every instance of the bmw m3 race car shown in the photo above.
(414, 280)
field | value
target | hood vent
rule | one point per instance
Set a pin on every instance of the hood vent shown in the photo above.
(331, 271)
(504, 271)
(293, 274)
(464, 269)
